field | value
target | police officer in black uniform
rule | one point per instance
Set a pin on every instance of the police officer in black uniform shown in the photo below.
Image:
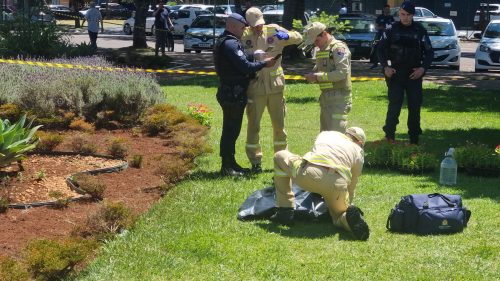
(406, 53)
(234, 71)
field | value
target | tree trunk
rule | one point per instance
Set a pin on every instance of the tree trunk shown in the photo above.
(293, 9)
(139, 38)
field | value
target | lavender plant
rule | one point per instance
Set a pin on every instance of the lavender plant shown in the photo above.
(45, 92)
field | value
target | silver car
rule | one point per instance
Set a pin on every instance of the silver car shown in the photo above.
(488, 51)
(444, 41)
(200, 36)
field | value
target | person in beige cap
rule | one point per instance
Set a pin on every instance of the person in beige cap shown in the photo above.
(333, 75)
(332, 169)
(266, 89)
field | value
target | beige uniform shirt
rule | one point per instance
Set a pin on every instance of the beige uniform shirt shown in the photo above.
(335, 150)
(269, 80)
(333, 66)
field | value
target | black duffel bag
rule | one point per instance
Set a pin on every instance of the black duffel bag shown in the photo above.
(428, 214)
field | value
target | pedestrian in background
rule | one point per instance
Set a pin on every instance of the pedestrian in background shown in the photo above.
(332, 72)
(234, 71)
(405, 52)
(266, 90)
(332, 169)
(93, 17)
(163, 25)
(383, 22)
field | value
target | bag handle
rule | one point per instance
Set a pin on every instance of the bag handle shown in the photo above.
(445, 199)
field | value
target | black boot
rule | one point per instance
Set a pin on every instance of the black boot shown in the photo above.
(414, 140)
(238, 168)
(283, 216)
(257, 168)
(227, 169)
(357, 223)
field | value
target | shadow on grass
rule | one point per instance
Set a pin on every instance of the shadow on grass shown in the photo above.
(302, 100)
(438, 141)
(306, 229)
(456, 99)
(467, 186)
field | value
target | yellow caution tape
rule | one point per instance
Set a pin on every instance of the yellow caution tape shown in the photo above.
(192, 72)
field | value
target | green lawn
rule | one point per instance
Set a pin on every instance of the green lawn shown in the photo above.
(193, 233)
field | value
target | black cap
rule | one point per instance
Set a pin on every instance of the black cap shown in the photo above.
(409, 7)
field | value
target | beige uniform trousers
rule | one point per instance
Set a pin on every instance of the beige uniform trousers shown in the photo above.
(313, 178)
(335, 105)
(276, 107)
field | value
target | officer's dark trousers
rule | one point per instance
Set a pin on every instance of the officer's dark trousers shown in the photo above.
(397, 85)
(231, 127)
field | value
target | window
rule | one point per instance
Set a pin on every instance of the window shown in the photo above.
(183, 14)
(357, 6)
(427, 13)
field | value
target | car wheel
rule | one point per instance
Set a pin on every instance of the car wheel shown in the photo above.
(126, 29)
(198, 51)
(187, 51)
(455, 67)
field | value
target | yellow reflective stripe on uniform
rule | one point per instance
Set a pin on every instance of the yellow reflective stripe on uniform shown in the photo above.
(249, 145)
(324, 86)
(280, 173)
(342, 170)
(323, 77)
(277, 72)
(295, 167)
(280, 143)
(323, 54)
(339, 116)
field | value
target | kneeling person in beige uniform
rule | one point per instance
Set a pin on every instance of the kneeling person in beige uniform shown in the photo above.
(332, 72)
(331, 169)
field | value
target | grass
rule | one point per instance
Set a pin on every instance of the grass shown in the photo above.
(193, 233)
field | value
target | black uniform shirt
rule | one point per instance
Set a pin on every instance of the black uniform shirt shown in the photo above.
(231, 64)
(406, 47)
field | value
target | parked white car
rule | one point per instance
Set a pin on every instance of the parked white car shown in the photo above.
(200, 36)
(488, 51)
(128, 24)
(444, 41)
(184, 17)
(420, 12)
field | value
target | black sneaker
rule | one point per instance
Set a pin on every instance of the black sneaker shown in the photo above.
(238, 168)
(257, 168)
(283, 216)
(358, 225)
(225, 171)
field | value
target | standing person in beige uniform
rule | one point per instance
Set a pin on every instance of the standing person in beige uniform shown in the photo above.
(266, 90)
(333, 74)
(331, 169)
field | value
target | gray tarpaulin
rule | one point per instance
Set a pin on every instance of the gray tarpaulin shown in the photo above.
(262, 204)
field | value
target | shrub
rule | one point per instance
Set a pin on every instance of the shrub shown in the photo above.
(4, 205)
(17, 140)
(80, 144)
(477, 156)
(81, 125)
(90, 184)
(48, 141)
(171, 171)
(111, 218)
(118, 148)
(10, 111)
(399, 156)
(136, 161)
(11, 270)
(201, 113)
(51, 92)
(160, 118)
(53, 260)
(60, 200)
(40, 175)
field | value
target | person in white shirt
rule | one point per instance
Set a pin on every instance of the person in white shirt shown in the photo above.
(93, 17)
